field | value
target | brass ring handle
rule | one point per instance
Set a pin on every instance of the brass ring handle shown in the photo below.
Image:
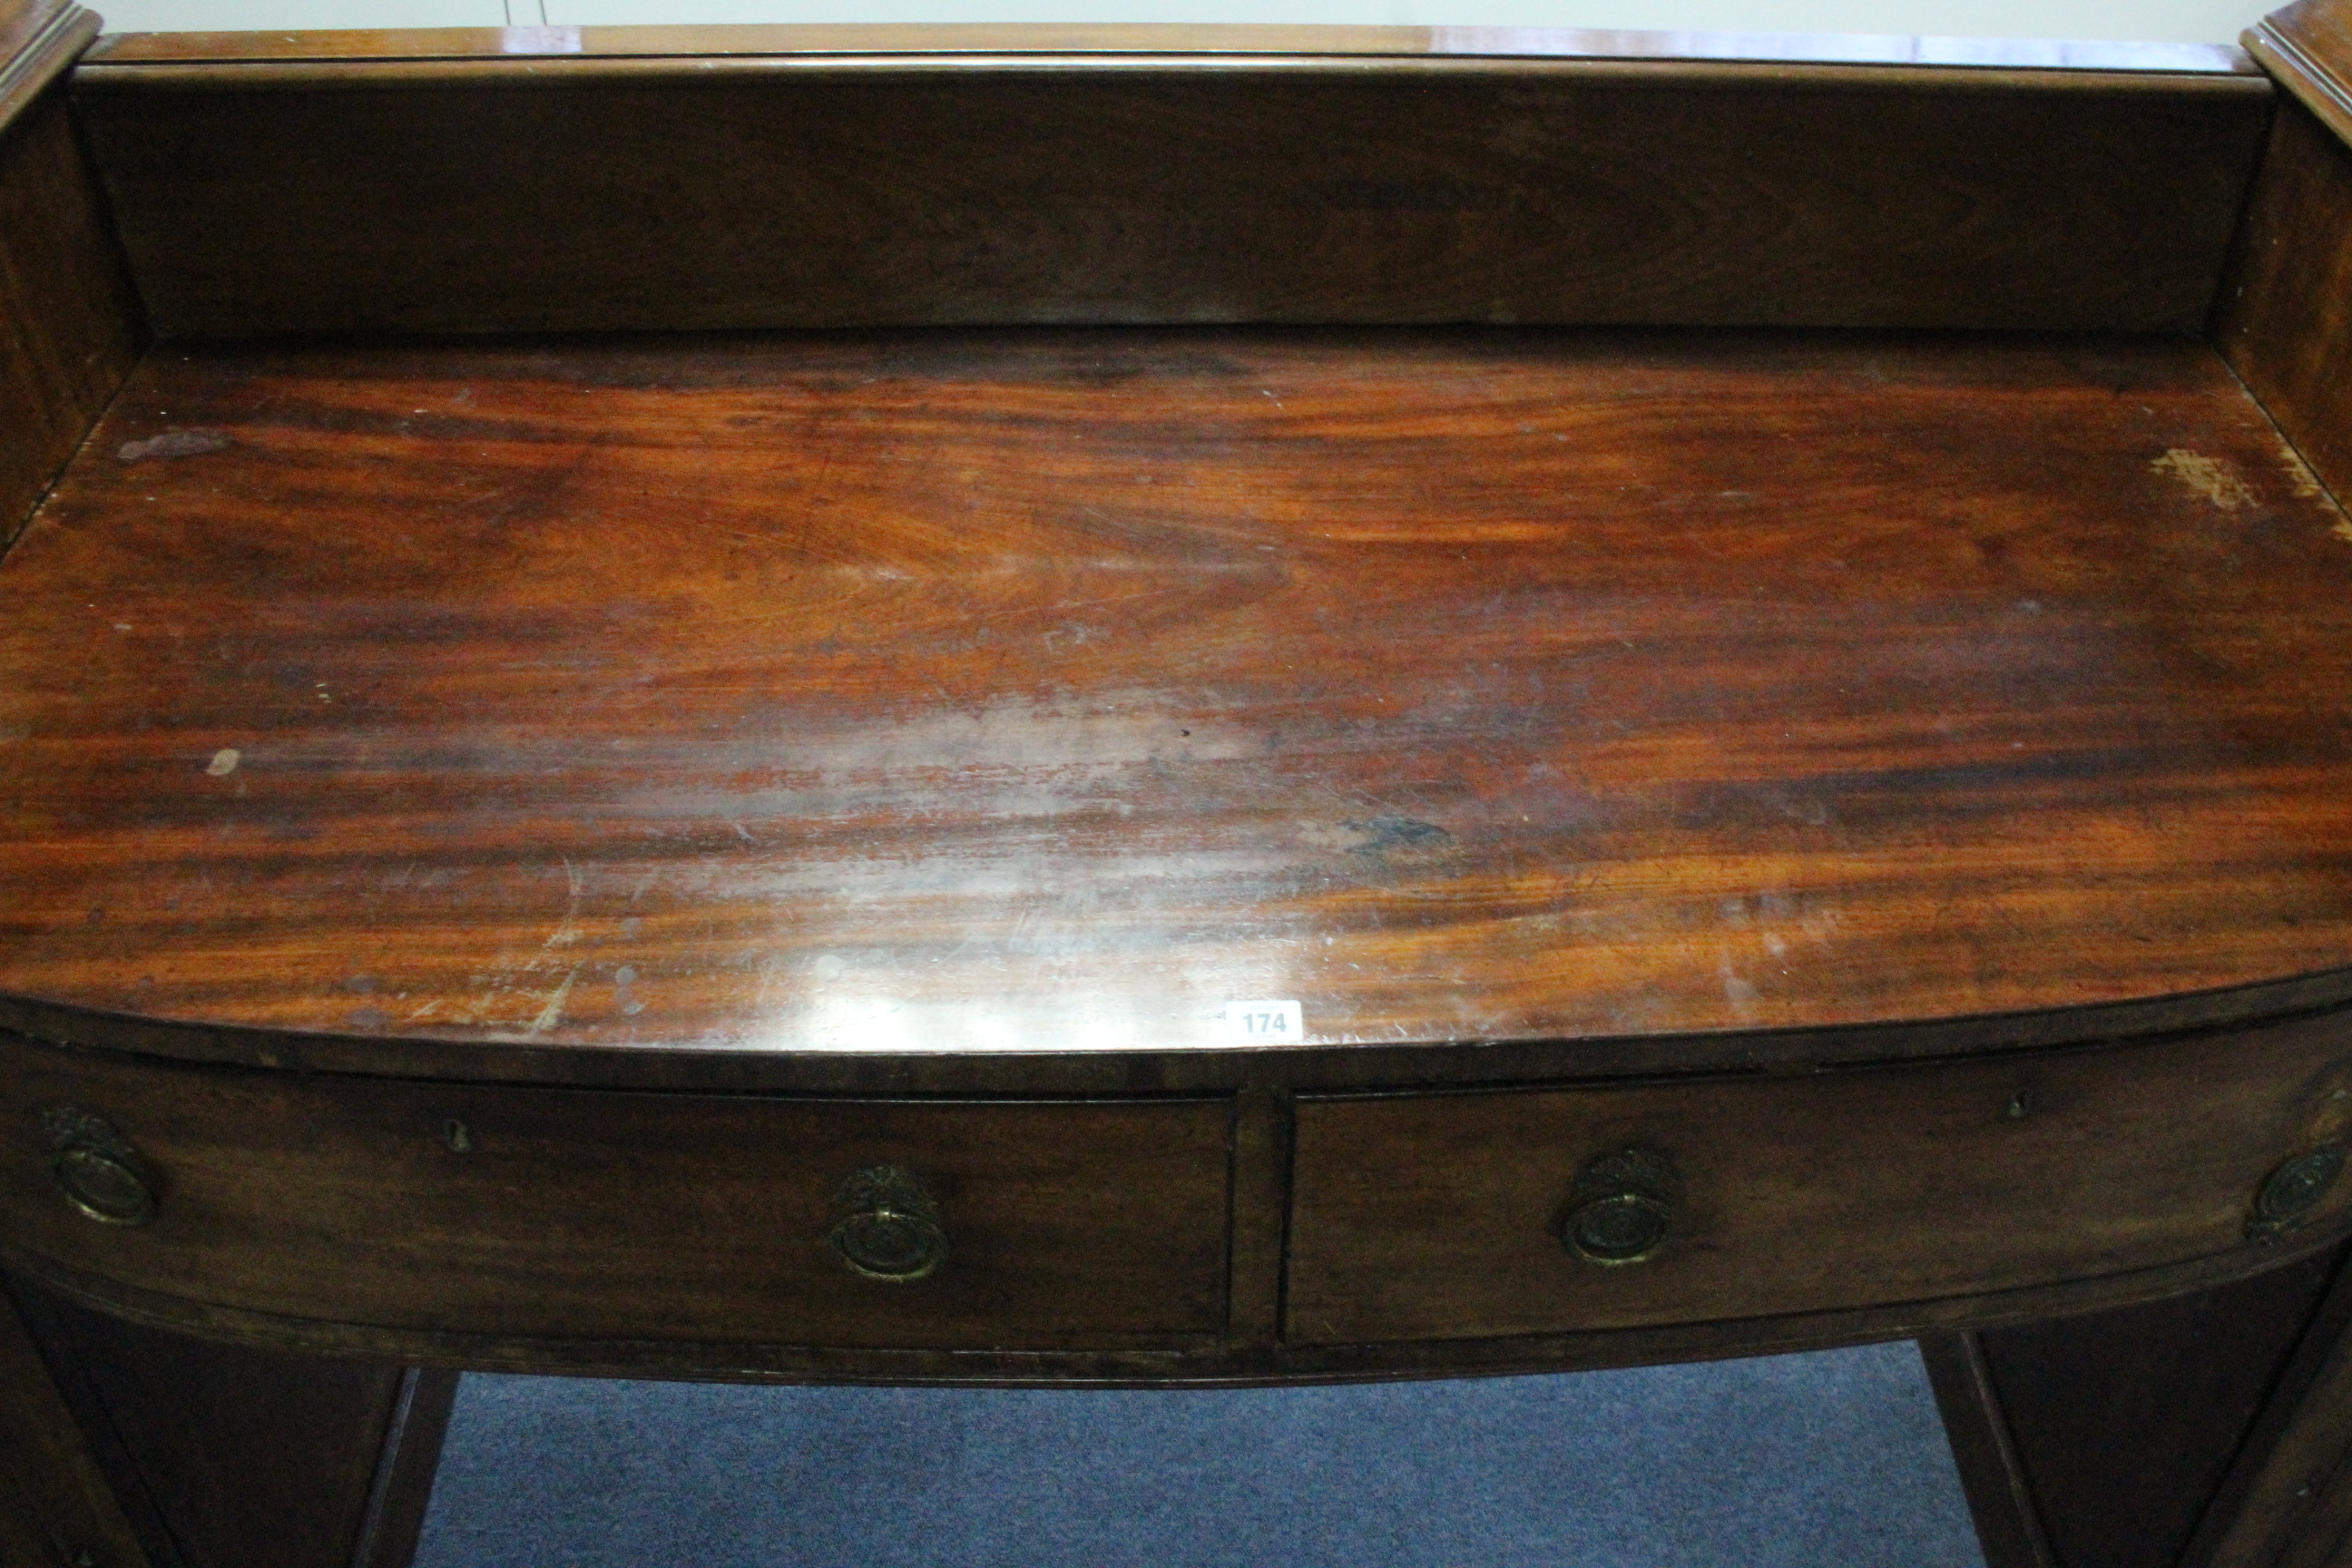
(96, 1168)
(1623, 1207)
(886, 1227)
(2292, 1189)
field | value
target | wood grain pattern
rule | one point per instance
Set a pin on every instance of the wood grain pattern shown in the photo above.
(22, 21)
(39, 39)
(1436, 1215)
(1128, 38)
(802, 710)
(653, 1217)
(2308, 47)
(406, 196)
(1205, 1365)
(913, 698)
(246, 1458)
(2286, 320)
(55, 1507)
(69, 324)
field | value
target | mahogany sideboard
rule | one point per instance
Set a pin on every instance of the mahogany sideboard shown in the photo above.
(1147, 706)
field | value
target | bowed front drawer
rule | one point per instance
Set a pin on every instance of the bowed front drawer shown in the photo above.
(1483, 1213)
(621, 1215)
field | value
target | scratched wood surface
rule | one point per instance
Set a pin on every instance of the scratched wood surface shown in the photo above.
(972, 692)
(323, 194)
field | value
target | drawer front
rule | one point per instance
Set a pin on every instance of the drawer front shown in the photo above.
(619, 1215)
(1453, 1215)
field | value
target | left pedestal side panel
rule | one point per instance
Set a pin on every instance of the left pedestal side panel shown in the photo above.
(212, 1456)
(56, 1509)
(70, 329)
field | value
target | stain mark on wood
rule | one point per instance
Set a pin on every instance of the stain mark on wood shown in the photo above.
(174, 443)
(2212, 477)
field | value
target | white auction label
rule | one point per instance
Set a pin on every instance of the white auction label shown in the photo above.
(1266, 1023)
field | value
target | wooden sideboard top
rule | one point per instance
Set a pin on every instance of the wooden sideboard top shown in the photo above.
(973, 692)
(964, 683)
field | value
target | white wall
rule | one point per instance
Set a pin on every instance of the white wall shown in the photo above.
(2176, 21)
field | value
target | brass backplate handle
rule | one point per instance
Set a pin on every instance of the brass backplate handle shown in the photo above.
(2292, 1189)
(94, 1166)
(886, 1227)
(1623, 1207)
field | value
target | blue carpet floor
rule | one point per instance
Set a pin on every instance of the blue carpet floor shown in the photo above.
(1828, 1460)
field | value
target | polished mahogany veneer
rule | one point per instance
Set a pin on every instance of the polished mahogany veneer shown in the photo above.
(1736, 647)
(1421, 1216)
(1044, 693)
(566, 1214)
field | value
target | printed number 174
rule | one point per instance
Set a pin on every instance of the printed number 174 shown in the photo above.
(1266, 1023)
